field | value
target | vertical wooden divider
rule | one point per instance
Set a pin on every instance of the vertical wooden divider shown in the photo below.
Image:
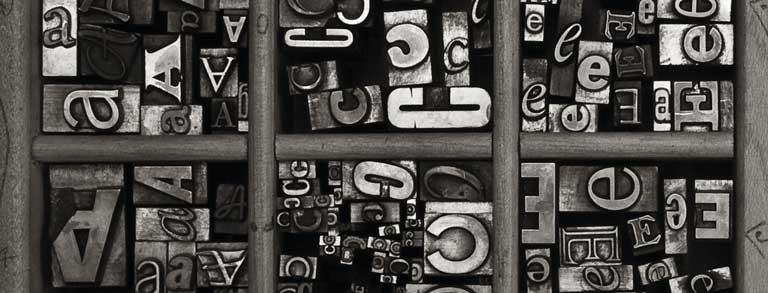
(506, 136)
(751, 265)
(261, 146)
(21, 198)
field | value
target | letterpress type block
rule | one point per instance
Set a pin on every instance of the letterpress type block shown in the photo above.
(408, 47)
(611, 189)
(334, 173)
(235, 32)
(618, 25)
(455, 181)
(222, 264)
(594, 72)
(223, 114)
(172, 224)
(60, 37)
(456, 49)
(534, 23)
(482, 18)
(676, 217)
(713, 209)
(568, 33)
(539, 202)
(296, 170)
(231, 209)
(304, 220)
(150, 259)
(534, 100)
(304, 267)
(538, 270)
(633, 62)
(168, 69)
(192, 21)
(344, 108)
(91, 108)
(711, 281)
(116, 11)
(319, 38)
(473, 221)
(330, 245)
(458, 107)
(662, 106)
(110, 54)
(646, 17)
(645, 234)
(596, 278)
(627, 106)
(374, 212)
(696, 10)
(425, 288)
(696, 44)
(658, 271)
(180, 276)
(572, 118)
(310, 13)
(170, 185)
(87, 226)
(219, 73)
(242, 107)
(313, 77)
(413, 239)
(172, 120)
(696, 106)
(371, 180)
(598, 245)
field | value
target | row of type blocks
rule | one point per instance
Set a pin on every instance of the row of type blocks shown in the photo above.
(609, 65)
(175, 241)
(110, 68)
(392, 215)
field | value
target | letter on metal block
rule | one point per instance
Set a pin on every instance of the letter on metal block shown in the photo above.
(466, 223)
(467, 107)
(612, 189)
(541, 204)
(408, 47)
(60, 37)
(594, 72)
(713, 209)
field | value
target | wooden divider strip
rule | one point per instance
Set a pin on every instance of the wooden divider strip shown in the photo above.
(262, 277)
(506, 135)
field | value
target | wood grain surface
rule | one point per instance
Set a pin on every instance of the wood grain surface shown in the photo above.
(506, 135)
(135, 148)
(262, 250)
(422, 146)
(751, 181)
(627, 145)
(20, 194)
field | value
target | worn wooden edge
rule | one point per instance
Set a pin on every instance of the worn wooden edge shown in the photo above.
(627, 146)
(421, 146)
(130, 148)
(751, 208)
(262, 181)
(20, 257)
(506, 136)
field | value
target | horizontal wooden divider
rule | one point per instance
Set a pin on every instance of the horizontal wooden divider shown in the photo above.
(627, 146)
(425, 146)
(136, 148)
(384, 146)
